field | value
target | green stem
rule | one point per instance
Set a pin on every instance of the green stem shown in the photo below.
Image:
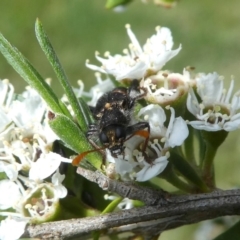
(187, 171)
(208, 170)
(112, 205)
(202, 147)
(212, 140)
(189, 147)
(170, 176)
(110, 208)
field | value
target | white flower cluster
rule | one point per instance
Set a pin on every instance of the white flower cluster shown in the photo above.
(138, 62)
(218, 109)
(26, 161)
(203, 96)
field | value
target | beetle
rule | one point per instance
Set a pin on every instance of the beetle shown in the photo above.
(113, 115)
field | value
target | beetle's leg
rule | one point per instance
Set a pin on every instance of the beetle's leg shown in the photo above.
(93, 131)
(139, 129)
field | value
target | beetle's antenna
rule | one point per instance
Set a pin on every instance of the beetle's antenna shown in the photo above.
(79, 158)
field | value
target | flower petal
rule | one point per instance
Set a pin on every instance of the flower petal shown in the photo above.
(179, 133)
(11, 170)
(10, 194)
(210, 87)
(150, 171)
(12, 229)
(45, 166)
(156, 117)
(234, 124)
(202, 125)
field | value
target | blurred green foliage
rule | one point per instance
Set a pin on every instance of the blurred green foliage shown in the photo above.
(209, 32)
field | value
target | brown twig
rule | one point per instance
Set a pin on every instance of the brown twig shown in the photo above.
(164, 211)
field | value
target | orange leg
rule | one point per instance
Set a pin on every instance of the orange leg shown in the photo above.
(142, 133)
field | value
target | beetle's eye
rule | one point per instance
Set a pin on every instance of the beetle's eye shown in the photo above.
(103, 137)
(120, 132)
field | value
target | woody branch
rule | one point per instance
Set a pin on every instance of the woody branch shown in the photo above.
(167, 211)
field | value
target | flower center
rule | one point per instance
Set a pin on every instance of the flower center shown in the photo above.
(154, 150)
(40, 203)
(216, 114)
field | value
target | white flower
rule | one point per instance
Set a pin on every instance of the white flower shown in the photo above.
(12, 228)
(59, 189)
(155, 115)
(4, 121)
(138, 61)
(165, 88)
(151, 170)
(25, 134)
(29, 111)
(27, 161)
(144, 166)
(46, 165)
(38, 203)
(174, 134)
(218, 109)
(10, 168)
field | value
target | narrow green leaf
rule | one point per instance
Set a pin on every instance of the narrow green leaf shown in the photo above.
(65, 110)
(29, 73)
(87, 117)
(54, 61)
(74, 138)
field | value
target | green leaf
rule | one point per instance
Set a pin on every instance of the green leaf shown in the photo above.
(54, 61)
(232, 233)
(86, 114)
(29, 73)
(114, 3)
(65, 109)
(74, 138)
